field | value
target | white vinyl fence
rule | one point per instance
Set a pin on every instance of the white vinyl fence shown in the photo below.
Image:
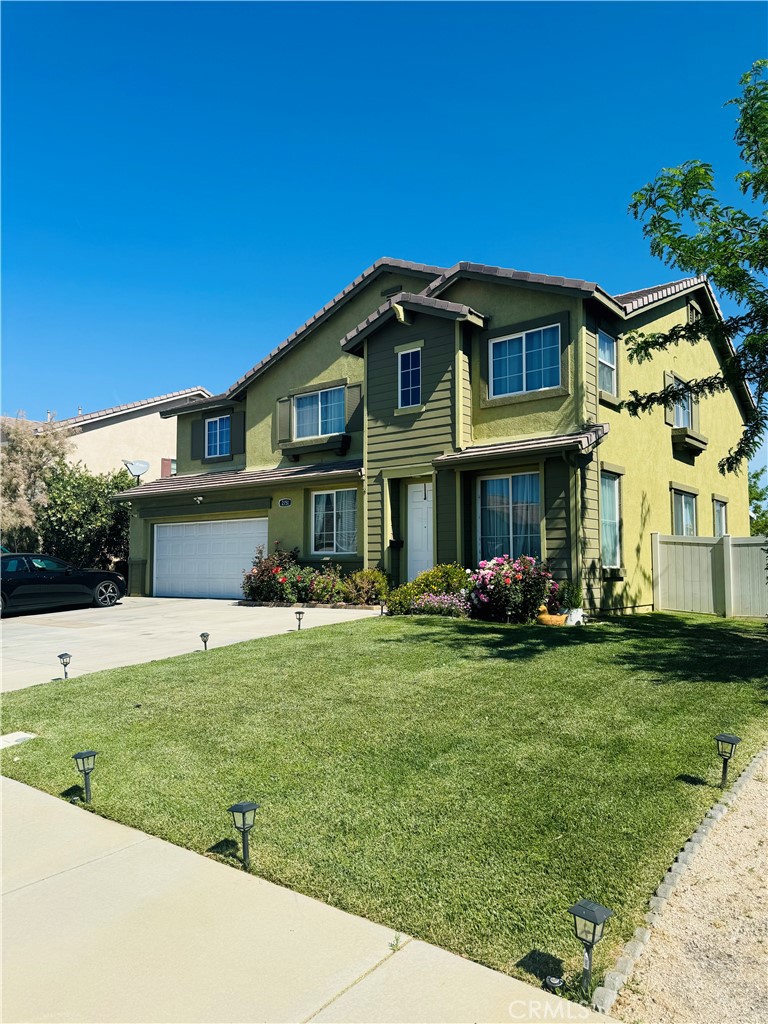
(716, 575)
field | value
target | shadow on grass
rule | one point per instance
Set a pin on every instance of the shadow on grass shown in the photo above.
(73, 793)
(225, 848)
(667, 647)
(541, 965)
(693, 780)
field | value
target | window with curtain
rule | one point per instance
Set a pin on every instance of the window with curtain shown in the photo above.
(720, 509)
(525, 362)
(610, 524)
(319, 413)
(683, 514)
(510, 516)
(334, 522)
(217, 437)
(410, 378)
(683, 412)
(606, 362)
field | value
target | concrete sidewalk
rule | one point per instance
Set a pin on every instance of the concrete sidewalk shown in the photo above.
(102, 923)
(139, 629)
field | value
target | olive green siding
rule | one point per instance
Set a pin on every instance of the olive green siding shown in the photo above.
(557, 516)
(446, 512)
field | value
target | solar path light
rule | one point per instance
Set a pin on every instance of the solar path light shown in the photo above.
(382, 605)
(726, 744)
(65, 660)
(589, 920)
(85, 762)
(243, 817)
(299, 617)
(205, 637)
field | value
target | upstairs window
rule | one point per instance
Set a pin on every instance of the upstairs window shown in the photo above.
(218, 439)
(409, 374)
(606, 362)
(683, 412)
(319, 413)
(525, 362)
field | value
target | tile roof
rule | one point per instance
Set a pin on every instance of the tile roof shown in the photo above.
(116, 410)
(410, 300)
(635, 300)
(377, 268)
(201, 483)
(581, 442)
(485, 270)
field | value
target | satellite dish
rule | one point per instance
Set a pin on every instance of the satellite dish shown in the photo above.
(137, 468)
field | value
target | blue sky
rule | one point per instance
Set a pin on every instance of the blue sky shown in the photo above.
(184, 184)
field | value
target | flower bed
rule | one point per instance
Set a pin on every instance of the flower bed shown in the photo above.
(279, 580)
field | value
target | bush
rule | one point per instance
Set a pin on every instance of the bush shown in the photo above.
(570, 594)
(366, 586)
(503, 589)
(327, 586)
(442, 579)
(270, 578)
(453, 605)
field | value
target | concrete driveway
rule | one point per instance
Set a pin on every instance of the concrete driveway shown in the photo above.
(136, 630)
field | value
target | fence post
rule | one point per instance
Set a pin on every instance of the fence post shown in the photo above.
(656, 571)
(727, 576)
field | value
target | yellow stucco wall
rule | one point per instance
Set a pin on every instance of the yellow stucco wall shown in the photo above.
(102, 447)
(643, 447)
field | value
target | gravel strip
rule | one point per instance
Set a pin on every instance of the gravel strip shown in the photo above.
(707, 960)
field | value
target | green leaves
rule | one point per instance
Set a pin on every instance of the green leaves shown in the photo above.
(689, 228)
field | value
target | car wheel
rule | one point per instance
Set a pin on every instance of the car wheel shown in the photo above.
(3, 604)
(106, 594)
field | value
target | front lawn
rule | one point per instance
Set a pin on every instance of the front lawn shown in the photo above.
(457, 781)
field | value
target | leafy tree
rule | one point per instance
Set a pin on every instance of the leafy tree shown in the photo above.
(79, 522)
(691, 229)
(28, 452)
(758, 503)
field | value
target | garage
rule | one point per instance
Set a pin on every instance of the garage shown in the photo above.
(205, 559)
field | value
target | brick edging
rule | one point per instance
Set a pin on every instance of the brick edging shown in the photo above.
(615, 979)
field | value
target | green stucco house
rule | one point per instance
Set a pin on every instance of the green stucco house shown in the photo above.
(431, 414)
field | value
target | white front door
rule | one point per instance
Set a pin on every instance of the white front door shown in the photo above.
(420, 554)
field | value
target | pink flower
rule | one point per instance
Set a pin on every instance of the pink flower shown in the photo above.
(483, 564)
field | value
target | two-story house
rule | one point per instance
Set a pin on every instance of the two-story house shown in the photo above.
(432, 414)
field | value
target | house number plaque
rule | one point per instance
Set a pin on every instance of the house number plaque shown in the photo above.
(285, 503)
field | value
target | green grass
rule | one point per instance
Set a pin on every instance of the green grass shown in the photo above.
(456, 781)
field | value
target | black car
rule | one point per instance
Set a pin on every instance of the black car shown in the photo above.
(29, 581)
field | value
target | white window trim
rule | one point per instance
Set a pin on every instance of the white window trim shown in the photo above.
(606, 474)
(513, 337)
(509, 476)
(338, 554)
(218, 454)
(311, 394)
(407, 352)
(603, 362)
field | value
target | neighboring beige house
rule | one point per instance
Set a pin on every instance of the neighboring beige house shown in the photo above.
(134, 431)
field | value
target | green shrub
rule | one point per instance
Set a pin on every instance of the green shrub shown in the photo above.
(570, 594)
(366, 586)
(441, 579)
(327, 585)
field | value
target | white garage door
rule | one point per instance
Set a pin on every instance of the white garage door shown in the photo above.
(205, 559)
